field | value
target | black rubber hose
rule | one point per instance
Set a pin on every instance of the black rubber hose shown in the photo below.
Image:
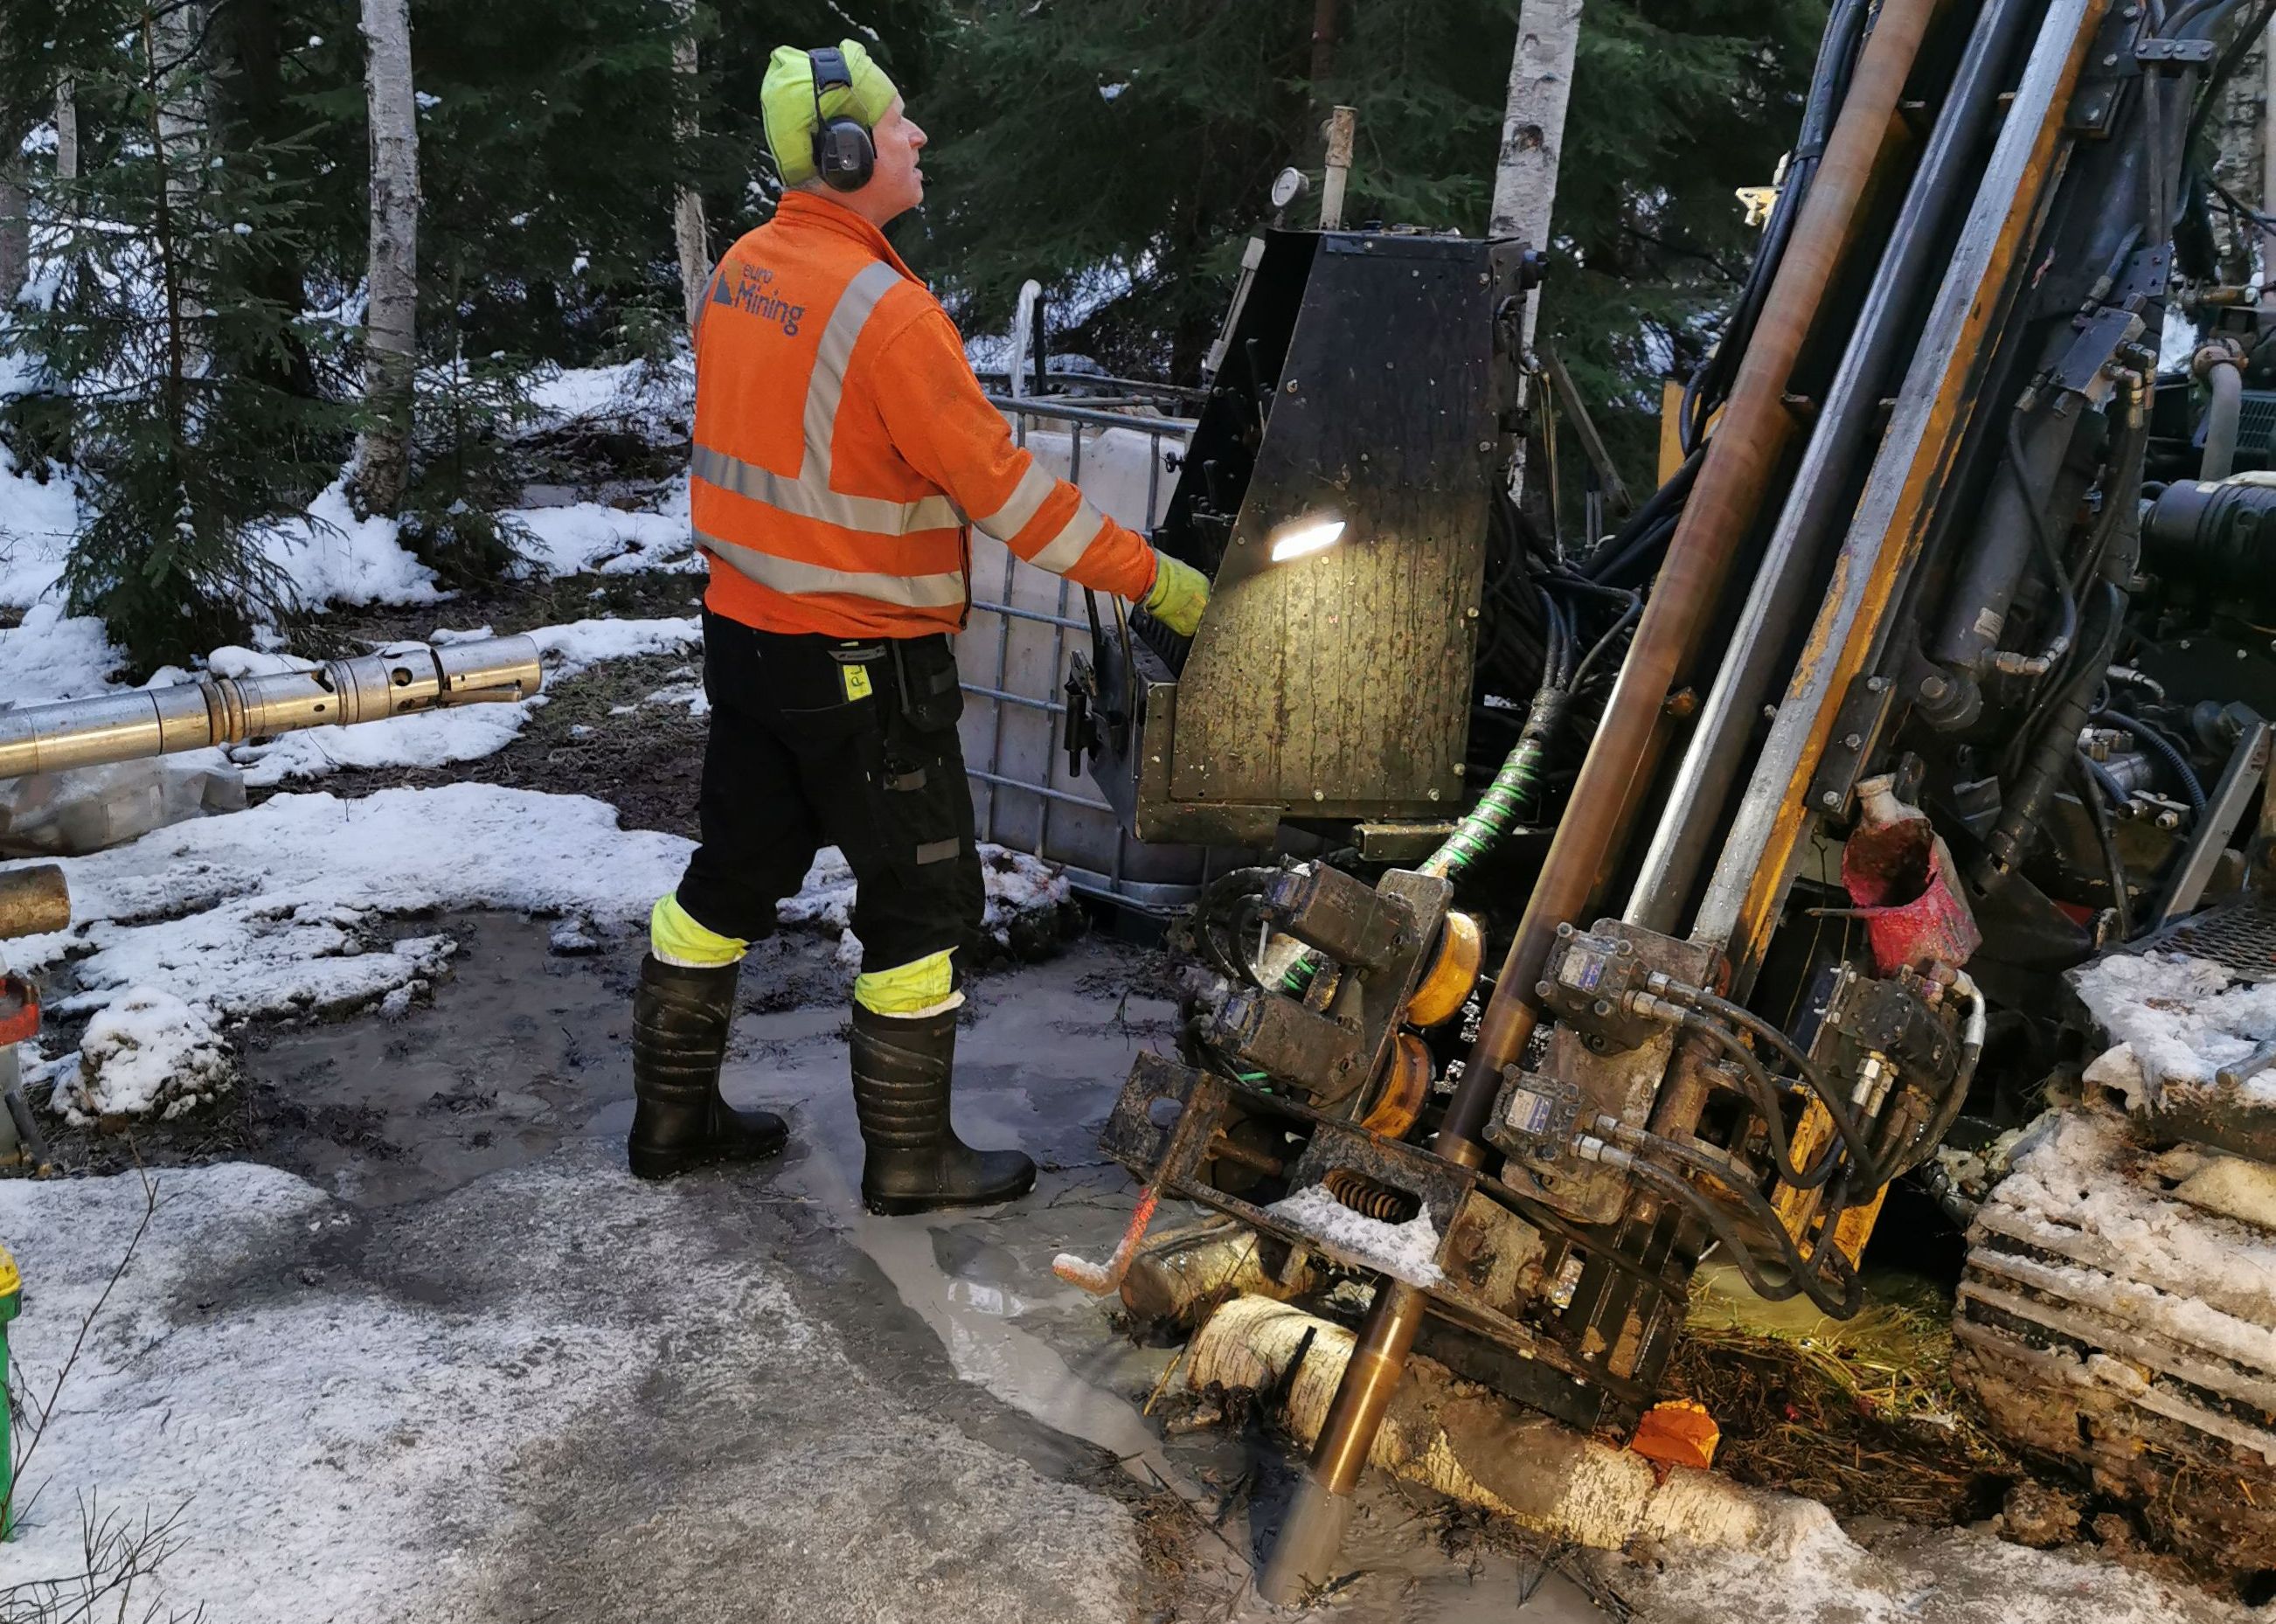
(1802, 1275)
(1629, 616)
(1649, 525)
(2050, 748)
(2050, 553)
(2090, 793)
(2163, 748)
(1853, 1136)
(1763, 1091)
(1735, 1179)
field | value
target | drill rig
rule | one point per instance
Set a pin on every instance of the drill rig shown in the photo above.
(1890, 707)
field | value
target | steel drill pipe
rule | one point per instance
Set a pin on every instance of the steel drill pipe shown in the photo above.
(1822, 497)
(214, 710)
(1753, 435)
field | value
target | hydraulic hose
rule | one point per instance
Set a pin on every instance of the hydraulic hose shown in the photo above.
(2055, 742)
(1763, 1089)
(1853, 1136)
(1971, 1053)
(1801, 1271)
(2058, 572)
(2226, 379)
(2094, 788)
(2161, 747)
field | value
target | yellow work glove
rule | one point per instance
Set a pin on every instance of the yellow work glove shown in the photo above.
(1179, 595)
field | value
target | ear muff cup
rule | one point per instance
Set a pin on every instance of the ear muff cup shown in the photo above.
(844, 153)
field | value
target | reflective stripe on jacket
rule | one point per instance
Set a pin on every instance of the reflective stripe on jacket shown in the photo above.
(842, 445)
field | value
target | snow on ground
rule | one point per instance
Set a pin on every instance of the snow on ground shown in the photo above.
(287, 908)
(587, 535)
(1901, 1575)
(37, 521)
(2173, 1022)
(397, 1414)
(54, 656)
(1017, 885)
(332, 556)
(657, 400)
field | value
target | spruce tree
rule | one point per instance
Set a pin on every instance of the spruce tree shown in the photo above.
(1121, 155)
(168, 360)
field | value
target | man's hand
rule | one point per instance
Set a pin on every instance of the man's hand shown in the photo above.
(1179, 595)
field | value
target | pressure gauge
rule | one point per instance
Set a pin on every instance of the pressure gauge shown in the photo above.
(1287, 186)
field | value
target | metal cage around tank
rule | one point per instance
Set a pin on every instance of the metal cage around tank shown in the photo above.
(1013, 656)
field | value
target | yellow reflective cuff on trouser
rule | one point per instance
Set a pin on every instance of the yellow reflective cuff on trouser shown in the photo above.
(674, 936)
(924, 987)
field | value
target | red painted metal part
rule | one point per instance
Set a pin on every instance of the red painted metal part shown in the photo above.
(19, 1010)
(1898, 874)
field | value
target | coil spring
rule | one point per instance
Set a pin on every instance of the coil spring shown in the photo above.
(1370, 1199)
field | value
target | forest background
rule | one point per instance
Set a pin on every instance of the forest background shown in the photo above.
(250, 249)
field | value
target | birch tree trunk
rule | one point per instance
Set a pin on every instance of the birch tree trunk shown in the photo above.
(66, 130)
(390, 317)
(2238, 139)
(1532, 145)
(688, 228)
(173, 37)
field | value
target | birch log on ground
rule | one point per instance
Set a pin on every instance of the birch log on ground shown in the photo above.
(1533, 146)
(687, 229)
(390, 315)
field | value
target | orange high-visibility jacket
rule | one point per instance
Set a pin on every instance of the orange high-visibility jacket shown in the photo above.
(842, 445)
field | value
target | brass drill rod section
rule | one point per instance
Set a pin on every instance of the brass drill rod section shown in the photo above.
(193, 716)
(1749, 886)
(1750, 441)
(1753, 435)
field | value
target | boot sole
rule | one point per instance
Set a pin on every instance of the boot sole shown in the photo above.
(660, 1164)
(909, 1206)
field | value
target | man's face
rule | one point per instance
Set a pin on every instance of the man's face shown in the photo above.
(897, 186)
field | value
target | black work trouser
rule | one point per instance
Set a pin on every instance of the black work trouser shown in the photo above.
(818, 742)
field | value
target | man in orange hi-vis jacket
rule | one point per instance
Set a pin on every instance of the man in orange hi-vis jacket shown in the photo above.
(842, 446)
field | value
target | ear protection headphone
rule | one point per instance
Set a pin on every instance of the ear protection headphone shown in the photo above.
(843, 150)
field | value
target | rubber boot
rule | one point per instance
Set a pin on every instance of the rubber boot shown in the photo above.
(680, 1018)
(915, 1163)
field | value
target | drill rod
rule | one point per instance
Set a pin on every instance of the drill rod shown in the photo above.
(1756, 429)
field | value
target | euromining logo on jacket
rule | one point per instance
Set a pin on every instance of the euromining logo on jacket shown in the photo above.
(750, 293)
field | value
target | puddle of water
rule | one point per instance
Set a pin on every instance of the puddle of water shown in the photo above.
(970, 1318)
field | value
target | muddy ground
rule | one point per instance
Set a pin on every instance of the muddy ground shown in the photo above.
(513, 1080)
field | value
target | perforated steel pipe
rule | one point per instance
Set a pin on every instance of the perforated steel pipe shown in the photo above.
(192, 716)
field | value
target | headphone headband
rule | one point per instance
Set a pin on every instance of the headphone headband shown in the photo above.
(829, 71)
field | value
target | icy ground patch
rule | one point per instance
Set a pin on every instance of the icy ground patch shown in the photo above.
(407, 1414)
(2175, 1021)
(1899, 1575)
(286, 909)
